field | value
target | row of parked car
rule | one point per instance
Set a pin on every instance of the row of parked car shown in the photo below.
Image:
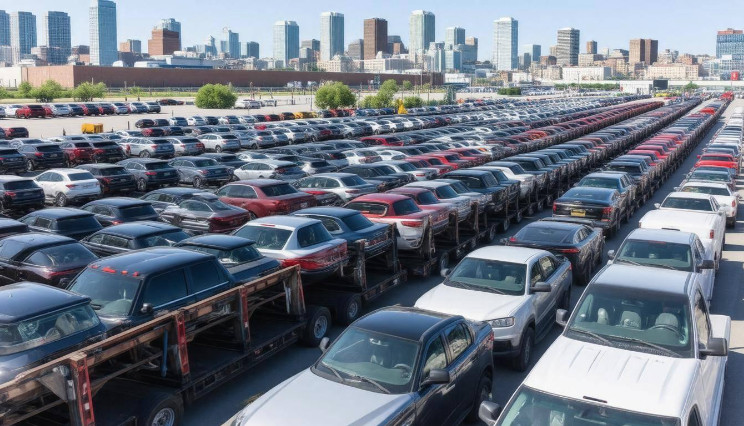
(78, 109)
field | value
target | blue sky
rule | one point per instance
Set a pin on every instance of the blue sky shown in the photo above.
(684, 25)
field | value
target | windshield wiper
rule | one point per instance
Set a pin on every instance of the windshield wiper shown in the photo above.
(368, 380)
(96, 306)
(669, 352)
(333, 370)
(489, 289)
(621, 260)
(474, 287)
(592, 334)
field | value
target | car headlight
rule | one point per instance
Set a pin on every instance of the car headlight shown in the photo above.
(502, 322)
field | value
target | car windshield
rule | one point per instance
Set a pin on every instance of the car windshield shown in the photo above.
(599, 183)
(371, 361)
(715, 158)
(530, 407)
(62, 255)
(229, 258)
(164, 239)
(700, 204)
(266, 237)
(459, 187)
(112, 171)
(80, 176)
(356, 222)
(111, 294)
(706, 190)
(406, 167)
(638, 320)
(544, 234)
(353, 180)
(625, 168)
(46, 328)
(715, 176)
(489, 275)
(77, 223)
(405, 207)
(279, 189)
(20, 184)
(656, 253)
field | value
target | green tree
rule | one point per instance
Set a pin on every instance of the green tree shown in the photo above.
(407, 85)
(690, 87)
(334, 96)
(4, 94)
(135, 91)
(390, 86)
(413, 102)
(86, 91)
(24, 89)
(215, 96)
(48, 92)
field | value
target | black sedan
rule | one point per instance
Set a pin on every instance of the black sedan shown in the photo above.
(20, 194)
(581, 244)
(237, 254)
(112, 177)
(118, 210)
(73, 223)
(133, 236)
(601, 207)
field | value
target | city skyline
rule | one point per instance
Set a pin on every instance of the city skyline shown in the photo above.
(539, 21)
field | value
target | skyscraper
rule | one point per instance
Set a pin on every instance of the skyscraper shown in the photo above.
(22, 34)
(505, 41)
(643, 50)
(286, 41)
(163, 42)
(730, 50)
(233, 43)
(375, 37)
(567, 50)
(422, 33)
(4, 28)
(453, 36)
(131, 46)
(250, 50)
(535, 51)
(652, 51)
(470, 50)
(591, 47)
(103, 33)
(331, 35)
(57, 36)
(210, 46)
(171, 24)
(356, 49)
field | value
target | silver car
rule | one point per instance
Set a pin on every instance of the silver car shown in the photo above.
(272, 169)
(423, 173)
(60, 110)
(120, 108)
(186, 145)
(346, 185)
(196, 120)
(218, 142)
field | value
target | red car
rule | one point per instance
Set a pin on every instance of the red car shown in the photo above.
(16, 132)
(77, 152)
(31, 111)
(383, 140)
(439, 212)
(660, 152)
(265, 197)
(431, 163)
(717, 159)
(451, 159)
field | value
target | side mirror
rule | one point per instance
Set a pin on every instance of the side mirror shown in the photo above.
(436, 376)
(657, 205)
(64, 282)
(489, 412)
(717, 346)
(706, 264)
(324, 343)
(676, 188)
(146, 308)
(541, 287)
(561, 317)
(445, 272)
(611, 254)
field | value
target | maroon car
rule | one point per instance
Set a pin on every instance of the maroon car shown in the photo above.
(204, 212)
(265, 197)
(77, 152)
(16, 132)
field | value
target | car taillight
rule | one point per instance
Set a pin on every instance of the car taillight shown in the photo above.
(512, 239)
(733, 203)
(555, 207)
(607, 211)
(204, 172)
(280, 170)
(412, 223)
(10, 194)
(712, 234)
(281, 206)
(106, 179)
(318, 260)
(151, 173)
(98, 151)
(38, 154)
(569, 251)
(154, 146)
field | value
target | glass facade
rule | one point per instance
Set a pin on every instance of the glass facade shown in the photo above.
(57, 29)
(331, 35)
(286, 41)
(422, 33)
(103, 48)
(22, 34)
(505, 41)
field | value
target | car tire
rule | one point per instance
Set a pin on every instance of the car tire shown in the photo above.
(518, 217)
(198, 182)
(491, 234)
(144, 154)
(218, 148)
(522, 361)
(349, 309)
(483, 393)
(443, 262)
(141, 185)
(29, 166)
(318, 323)
(252, 216)
(160, 409)
(60, 200)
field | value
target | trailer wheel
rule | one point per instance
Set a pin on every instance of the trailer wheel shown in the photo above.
(161, 409)
(319, 319)
(490, 235)
(505, 226)
(348, 309)
(518, 217)
(443, 262)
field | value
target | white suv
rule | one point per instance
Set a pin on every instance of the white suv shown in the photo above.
(63, 186)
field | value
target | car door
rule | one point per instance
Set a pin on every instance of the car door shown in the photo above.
(710, 366)
(435, 402)
(206, 279)
(263, 170)
(707, 276)
(464, 376)
(165, 292)
(540, 300)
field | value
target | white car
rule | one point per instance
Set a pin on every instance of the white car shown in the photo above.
(65, 186)
(269, 169)
(515, 289)
(641, 348)
(527, 182)
(219, 142)
(726, 198)
(10, 110)
(361, 156)
(388, 154)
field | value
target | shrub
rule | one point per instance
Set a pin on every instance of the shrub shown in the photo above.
(334, 96)
(215, 96)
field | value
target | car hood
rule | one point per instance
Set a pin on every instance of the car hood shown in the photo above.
(308, 396)
(472, 304)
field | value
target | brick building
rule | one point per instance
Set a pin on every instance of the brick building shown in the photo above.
(163, 42)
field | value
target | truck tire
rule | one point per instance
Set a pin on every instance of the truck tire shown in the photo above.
(483, 394)
(160, 409)
(527, 343)
(349, 308)
(318, 322)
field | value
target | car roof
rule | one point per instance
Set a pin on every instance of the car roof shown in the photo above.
(679, 194)
(336, 175)
(118, 202)
(258, 182)
(192, 158)
(666, 235)
(507, 253)
(99, 165)
(218, 241)
(563, 226)
(705, 184)
(60, 212)
(37, 239)
(27, 299)
(384, 197)
(643, 278)
(138, 228)
(604, 175)
(328, 211)
(468, 173)
(288, 221)
(180, 191)
(11, 178)
(150, 260)
(403, 322)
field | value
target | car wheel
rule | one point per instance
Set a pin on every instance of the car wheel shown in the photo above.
(491, 234)
(484, 394)
(141, 185)
(162, 409)
(518, 217)
(522, 360)
(198, 182)
(443, 262)
(252, 216)
(218, 148)
(318, 321)
(348, 309)
(29, 165)
(60, 200)
(145, 154)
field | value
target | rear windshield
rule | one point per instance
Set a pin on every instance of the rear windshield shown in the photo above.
(426, 198)
(599, 183)
(313, 234)
(48, 148)
(137, 210)
(20, 184)
(105, 144)
(157, 166)
(229, 258)
(80, 176)
(77, 223)
(265, 237)
(280, 189)
(715, 158)
(66, 254)
(165, 239)
(112, 171)
(204, 163)
(352, 180)
(446, 192)
(318, 163)
(404, 207)
(706, 190)
(81, 145)
(355, 222)
(406, 167)
(371, 208)
(8, 152)
(625, 168)
(544, 234)
(289, 170)
(46, 328)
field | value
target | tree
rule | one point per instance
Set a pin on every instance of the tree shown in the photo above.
(86, 91)
(4, 94)
(334, 96)
(48, 92)
(24, 89)
(390, 86)
(407, 86)
(413, 102)
(215, 96)
(690, 87)
(135, 91)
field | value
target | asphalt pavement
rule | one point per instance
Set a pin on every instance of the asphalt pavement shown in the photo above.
(218, 407)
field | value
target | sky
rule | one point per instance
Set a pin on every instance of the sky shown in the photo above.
(683, 25)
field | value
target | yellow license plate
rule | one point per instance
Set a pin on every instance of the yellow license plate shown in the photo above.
(578, 213)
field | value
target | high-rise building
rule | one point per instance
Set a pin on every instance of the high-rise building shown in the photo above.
(535, 51)
(505, 41)
(652, 51)
(422, 30)
(103, 33)
(250, 49)
(131, 46)
(312, 44)
(730, 50)
(57, 36)
(643, 50)
(375, 37)
(470, 50)
(210, 46)
(233, 43)
(331, 35)
(395, 45)
(454, 36)
(22, 34)
(356, 49)
(567, 50)
(171, 24)
(163, 42)
(286, 41)
(591, 47)
(4, 28)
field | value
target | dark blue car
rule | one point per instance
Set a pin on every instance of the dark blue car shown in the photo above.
(39, 322)
(352, 226)
(237, 254)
